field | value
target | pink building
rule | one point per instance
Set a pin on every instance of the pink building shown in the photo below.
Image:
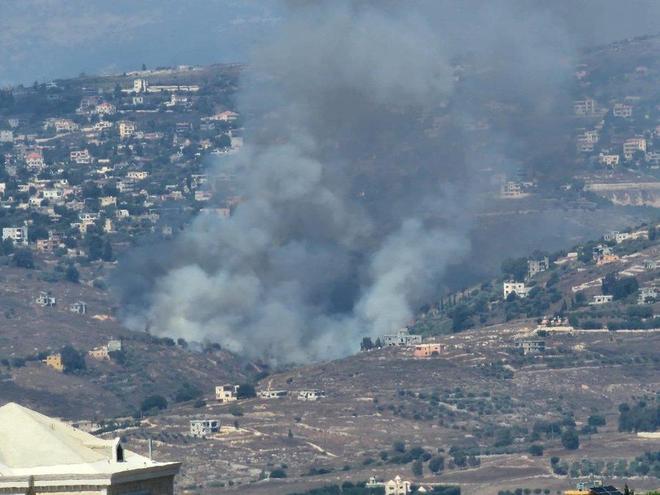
(428, 350)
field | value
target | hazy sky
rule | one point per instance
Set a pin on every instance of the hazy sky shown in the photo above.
(44, 39)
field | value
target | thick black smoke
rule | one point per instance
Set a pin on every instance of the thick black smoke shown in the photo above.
(373, 129)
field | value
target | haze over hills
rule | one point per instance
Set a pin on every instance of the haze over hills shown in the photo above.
(388, 243)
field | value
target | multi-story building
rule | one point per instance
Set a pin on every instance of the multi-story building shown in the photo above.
(511, 189)
(137, 174)
(202, 428)
(397, 486)
(608, 160)
(403, 338)
(601, 299)
(126, 129)
(19, 235)
(633, 145)
(530, 346)
(512, 287)
(647, 295)
(584, 107)
(81, 157)
(45, 455)
(622, 110)
(34, 160)
(226, 393)
(587, 140)
(105, 108)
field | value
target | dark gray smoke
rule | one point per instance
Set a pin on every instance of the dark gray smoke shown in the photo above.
(373, 129)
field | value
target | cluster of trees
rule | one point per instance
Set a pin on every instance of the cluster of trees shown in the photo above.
(639, 417)
(72, 359)
(153, 403)
(515, 268)
(619, 287)
(416, 456)
(187, 392)
(536, 303)
(647, 464)
(367, 344)
(564, 429)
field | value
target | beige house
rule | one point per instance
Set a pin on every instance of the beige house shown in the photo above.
(55, 361)
(40, 455)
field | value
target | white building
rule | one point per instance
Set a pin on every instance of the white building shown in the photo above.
(397, 486)
(19, 235)
(45, 300)
(272, 394)
(78, 307)
(126, 129)
(601, 299)
(137, 175)
(517, 288)
(622, 236)
(81, 157)
(587, 140)
(311, 394)
(511, 189)
(202, 428)
(41, 455)
(584, 107)
(622, 110)
(608, 160)
(226, 393)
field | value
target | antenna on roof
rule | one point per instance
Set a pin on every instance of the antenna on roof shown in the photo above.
(151, 449)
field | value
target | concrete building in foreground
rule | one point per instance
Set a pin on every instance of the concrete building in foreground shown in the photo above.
(41, 455)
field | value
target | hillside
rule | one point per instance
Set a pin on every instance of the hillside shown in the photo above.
(106, 388)
(480, 400)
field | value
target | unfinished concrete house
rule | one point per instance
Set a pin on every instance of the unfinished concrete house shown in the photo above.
(202, 428)
(226, 393)
(311, 394)
(78, 307)
(403, 338)
(272, 394)
(45, 300)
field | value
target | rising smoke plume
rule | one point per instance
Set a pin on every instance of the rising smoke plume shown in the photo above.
(370, 136)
